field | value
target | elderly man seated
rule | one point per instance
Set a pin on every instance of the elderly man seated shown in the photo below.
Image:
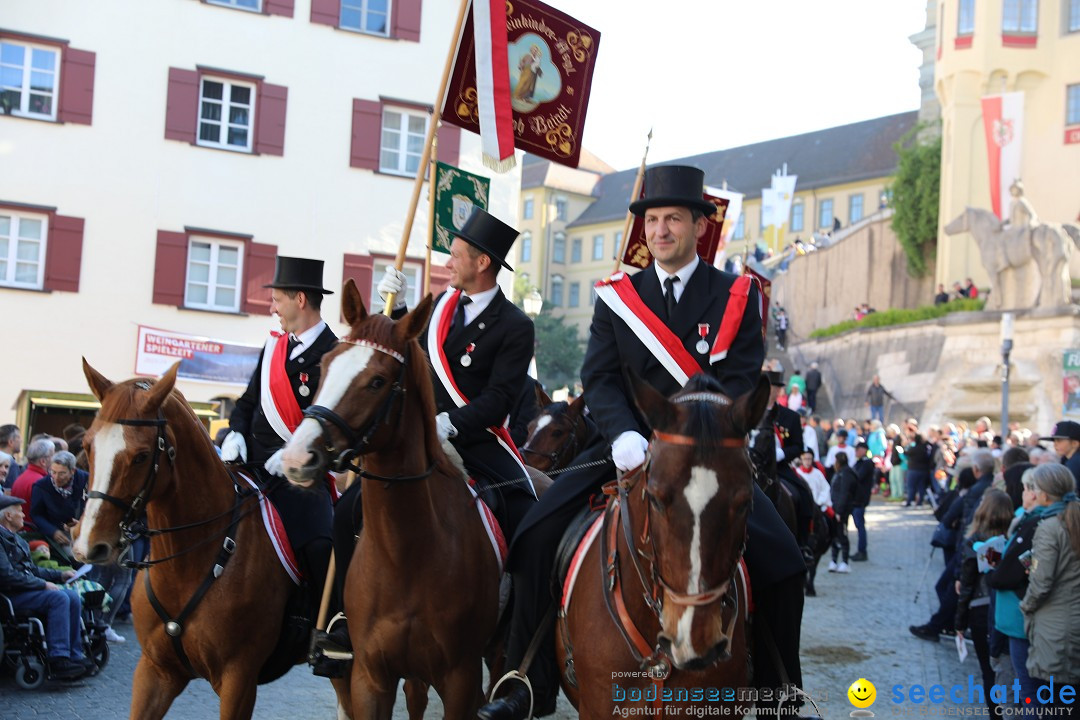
(38, 459)
(56, 500)
(33, 590)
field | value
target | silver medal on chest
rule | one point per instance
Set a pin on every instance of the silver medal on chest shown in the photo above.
(304, 390)
(702, 346)
(466, 361)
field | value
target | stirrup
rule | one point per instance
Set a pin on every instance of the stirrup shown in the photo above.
(515, 675)
(330, 653)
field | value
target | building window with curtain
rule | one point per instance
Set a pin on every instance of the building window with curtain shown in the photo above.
(558, 250)
(965, 19)
(556, 290)
(1020, 16)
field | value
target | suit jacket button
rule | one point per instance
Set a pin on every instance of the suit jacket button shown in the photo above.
(481, 326)
(299, 360)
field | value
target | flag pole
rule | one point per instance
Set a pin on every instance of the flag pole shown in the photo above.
(434, 175)
(436, 114)
(633, 196)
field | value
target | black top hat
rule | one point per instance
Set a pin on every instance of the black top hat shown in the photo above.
(487, 233)
(9, 500)
(1066, 430)
(674, 185)
(292, 273)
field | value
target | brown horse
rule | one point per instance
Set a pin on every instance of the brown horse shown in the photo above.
(659, 590)
(557, 434)
(148, 451)
(422, 590)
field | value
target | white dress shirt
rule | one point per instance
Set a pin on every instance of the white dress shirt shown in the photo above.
(306, 338)
(479, 303)
(682, 273)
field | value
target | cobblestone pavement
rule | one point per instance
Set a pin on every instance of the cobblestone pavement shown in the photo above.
(855, 627)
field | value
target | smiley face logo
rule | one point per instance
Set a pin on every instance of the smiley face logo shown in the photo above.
(862, 693)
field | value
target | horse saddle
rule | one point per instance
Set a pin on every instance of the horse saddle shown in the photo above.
(572, 549)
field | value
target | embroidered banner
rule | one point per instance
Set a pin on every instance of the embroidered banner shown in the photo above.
(637, 252)
(551, 58)
(456, 193)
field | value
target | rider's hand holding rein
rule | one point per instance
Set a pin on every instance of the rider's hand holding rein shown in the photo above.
(628, 450)
(234, 448)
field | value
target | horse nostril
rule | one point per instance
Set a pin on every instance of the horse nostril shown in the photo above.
(99, 553)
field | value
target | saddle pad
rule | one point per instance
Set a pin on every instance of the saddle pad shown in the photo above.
(275, 529)
(491, 526)
(579, 557)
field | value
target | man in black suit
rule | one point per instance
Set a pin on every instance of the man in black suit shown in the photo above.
(284, 383)
(690, 299)
(787, 428)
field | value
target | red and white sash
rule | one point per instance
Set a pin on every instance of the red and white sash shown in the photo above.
(276, 396)
(438, 328)
(733, 315)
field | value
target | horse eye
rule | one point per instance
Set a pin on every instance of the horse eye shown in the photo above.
(141, 458)
(655, 502)
(557, 433)
(377, 383)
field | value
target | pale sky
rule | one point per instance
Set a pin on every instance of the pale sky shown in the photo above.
(715, 74)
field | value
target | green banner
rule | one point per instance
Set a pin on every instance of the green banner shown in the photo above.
(456, 192)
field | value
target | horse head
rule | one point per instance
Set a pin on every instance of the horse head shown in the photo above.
(360, 403)
(130, 450)
(959, 224)
(699, 494)
(557, 434)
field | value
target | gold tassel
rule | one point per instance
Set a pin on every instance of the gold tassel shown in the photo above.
(499, 166)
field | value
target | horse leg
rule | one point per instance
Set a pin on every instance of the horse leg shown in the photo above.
(371, 699)
(344, 699)
(416, 698)
(236, 691)
(153, 691)
(462, 691)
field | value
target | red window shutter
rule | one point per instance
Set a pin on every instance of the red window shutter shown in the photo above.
(270, 119)
(366, 131)
(407, 20)
(326, 12)
(182, 106)
(279, 7)
(259, 261)
(440, 279)
(449, 144)
(360, 268)
(63, 253)
(76, 87)
(170, 268)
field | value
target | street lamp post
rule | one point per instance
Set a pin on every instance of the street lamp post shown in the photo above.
(1006, 348)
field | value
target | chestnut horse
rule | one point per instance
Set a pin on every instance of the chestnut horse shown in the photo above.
(422, 589)
(557, 434)
(149, 452)
(659, 589)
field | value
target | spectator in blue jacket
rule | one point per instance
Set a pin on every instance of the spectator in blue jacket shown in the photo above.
(56, 500)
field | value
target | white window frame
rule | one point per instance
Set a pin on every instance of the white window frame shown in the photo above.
(526, 247)
(965, 18)
(851, 208)
(403, 139)
(1018, 8)
(561, 210)
(226, 106)
(212, 284)
(827, 202)
(414, 272)
(557, 298)
(527, 209)
(233, 4)
(1072, 104)
(8, 278)
(556, 256)
(598, 247)
(800, 215)
(25, 89)
(362, 6)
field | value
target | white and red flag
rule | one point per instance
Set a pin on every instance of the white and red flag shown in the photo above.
(493, 83)
(1003, 122)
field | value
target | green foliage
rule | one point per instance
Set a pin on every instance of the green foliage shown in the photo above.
(559, 352)
(916, 198)
(900, 317)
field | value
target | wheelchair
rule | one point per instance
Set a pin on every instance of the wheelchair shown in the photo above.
(23, 647)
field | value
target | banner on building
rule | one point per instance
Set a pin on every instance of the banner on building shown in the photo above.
(731, 215)
(548, 57)
(637, 251)
(1071, 388)
(201, 358)
(456, 193)
(1003, 124)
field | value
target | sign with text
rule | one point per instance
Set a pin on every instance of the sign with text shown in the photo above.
(201, 358)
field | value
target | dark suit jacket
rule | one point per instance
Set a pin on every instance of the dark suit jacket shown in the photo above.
(791, 434)
(247, 417)
(49, 509)
(612, 344)
(503, 338)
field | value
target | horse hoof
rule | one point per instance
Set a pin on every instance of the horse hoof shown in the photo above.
(811, 592)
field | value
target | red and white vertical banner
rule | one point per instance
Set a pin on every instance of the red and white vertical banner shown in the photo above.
(493, 84)
(1003, 122)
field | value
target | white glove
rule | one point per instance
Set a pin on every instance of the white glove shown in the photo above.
(273, 463)
(444, 427)
(234, 448)
(628, 450)
(779, 453)
(396, 282)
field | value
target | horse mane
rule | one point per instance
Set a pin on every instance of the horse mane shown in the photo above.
(380, 329)
(703, 422)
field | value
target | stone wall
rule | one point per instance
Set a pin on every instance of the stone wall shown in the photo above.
(866, 264)
(950, 369)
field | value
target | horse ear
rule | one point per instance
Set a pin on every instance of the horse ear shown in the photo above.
(578, 406)
(155, 396)
(352, 305)
(658, 410)
(99, 384)
(413, 324)
(542, 399)
(748, 408)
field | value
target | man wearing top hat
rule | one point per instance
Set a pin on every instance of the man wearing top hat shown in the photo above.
(691, 299)
(1066, 437)
(479, 345)
(284, 383)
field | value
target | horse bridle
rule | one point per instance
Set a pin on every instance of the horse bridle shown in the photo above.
(651, 582)
(568, 448)
(359, 442)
